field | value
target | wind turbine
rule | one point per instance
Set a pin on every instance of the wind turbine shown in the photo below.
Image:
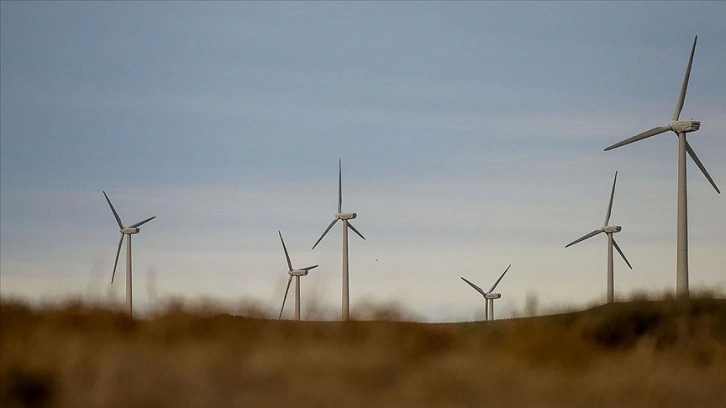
(609, 230)
(680, 128)
(345, 218)
(125, 231)
(488, 296)
(297, 273)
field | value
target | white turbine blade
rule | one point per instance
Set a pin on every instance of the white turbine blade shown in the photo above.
(592, 234)
(287, 256)
(621, 253)
(118, 252)
(285, 298)
(700, 165)
(640, 136)
(477, 288)
(140, 223)
(355, 230)
(500, 278)
(610, 206)
(307, 268)
(340, 186)
(115, 214)
(684, 87)
(326, 231)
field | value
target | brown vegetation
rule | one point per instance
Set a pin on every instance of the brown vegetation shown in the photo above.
(637, 354)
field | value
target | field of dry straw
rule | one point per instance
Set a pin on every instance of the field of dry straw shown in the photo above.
(667, 353)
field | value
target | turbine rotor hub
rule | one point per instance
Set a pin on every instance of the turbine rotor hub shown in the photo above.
(345, 216)
(685, 126)
(492, 295)
(610, 229)
(130, 231)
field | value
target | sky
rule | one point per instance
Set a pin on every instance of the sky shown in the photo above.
(471, 136)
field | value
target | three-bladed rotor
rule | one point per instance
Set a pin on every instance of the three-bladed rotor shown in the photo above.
(131, 229)
(606, 228)
(340, 215)
(490, 294)
(292, 272)
(675, 125)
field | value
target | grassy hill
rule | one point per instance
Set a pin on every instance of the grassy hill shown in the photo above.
(669, 353)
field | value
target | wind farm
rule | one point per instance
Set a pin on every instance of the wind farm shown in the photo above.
(473, 138)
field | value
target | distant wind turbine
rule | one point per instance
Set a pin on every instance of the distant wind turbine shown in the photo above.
(297, 273)
(680, 128)
(488, 296)
(345, 218)
(609, 230)
(125, 231)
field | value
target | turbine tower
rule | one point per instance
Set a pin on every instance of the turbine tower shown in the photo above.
(609, 230)
(297, 273)
(345, 218)
(125, 231)
(680, 128)
(488, 296)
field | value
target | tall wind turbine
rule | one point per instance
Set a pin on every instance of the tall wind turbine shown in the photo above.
(125, 231)
(488, 296)
(680, 128)
(609, 230)
(345, 218)
(297, 273)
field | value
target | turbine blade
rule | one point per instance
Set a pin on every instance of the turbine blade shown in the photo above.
(340, 186)
(355, 230)
(307, 268)
(621, 253)
(287, 256)
(700, 165)
(610, 206)
(640, 136)
(326, 231)
(684, 86)
(115, 214)
(138, 224)
(500, 278)
(477, 288)
(285, 298)
(118, 252)
(592, 234)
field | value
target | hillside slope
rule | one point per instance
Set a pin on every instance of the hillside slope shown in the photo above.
(639, 354)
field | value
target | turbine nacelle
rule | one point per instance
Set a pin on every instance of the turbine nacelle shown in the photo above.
(299, 272)
(685, 126)
(492, 296)
(345, 216)
(129, 230)
(610, 229)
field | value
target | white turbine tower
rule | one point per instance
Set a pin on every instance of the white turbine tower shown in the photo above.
(345, 218)
(488, 296)
(680, 128)
(609, 230)
(297, 273)
(125, 231)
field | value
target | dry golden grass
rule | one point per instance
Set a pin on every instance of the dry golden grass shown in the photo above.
(637, 354)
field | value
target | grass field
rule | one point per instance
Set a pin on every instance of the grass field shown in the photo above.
(668, 353)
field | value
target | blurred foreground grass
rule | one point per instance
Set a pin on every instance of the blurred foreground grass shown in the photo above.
(669, 353)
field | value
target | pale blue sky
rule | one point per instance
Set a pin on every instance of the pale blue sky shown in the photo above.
(471, 136)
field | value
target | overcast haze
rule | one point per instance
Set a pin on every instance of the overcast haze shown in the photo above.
(471, 135)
